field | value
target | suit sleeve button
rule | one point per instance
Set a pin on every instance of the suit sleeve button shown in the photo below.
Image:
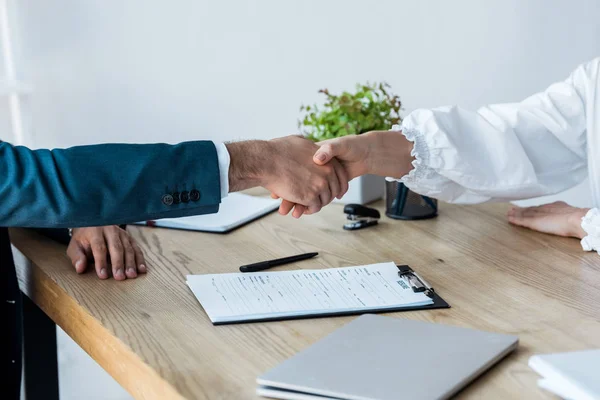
(185, 196)
(167, 199)
(176, 198)
(194, 195)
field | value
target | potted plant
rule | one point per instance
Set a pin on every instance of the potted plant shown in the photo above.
(370, 107)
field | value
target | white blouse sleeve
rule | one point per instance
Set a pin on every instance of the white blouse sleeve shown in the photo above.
(504, 151)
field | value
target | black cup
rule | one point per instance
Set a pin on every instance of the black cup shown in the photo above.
(402, 203)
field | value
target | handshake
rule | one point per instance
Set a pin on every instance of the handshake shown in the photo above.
(308, 176)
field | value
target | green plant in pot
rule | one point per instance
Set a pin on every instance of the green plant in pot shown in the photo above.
(370, 107)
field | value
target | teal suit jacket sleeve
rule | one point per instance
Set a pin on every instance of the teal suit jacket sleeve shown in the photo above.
(107, 184)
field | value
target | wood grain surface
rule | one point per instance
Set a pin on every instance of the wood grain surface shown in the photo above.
(154, 338)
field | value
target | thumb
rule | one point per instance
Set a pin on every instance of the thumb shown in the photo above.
(76, 253)
(326, 152)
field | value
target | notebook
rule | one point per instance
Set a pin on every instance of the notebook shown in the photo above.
(383, 358)
(264, 296)
(236, 209)
(572, 375)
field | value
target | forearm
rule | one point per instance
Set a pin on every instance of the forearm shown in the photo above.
(105, 184)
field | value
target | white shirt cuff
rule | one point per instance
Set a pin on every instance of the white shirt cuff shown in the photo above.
(591, 225)
(224, 160)
(420, 152)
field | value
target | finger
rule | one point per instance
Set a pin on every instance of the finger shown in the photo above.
(274, 196)
(334, 187)
(100, 253)
(515, 214)
(131, 267)
(139, 257)
(315, 206)
(285, 207)
(533, 212)
(325, 153)
(76, 253)
(342, 178)
(514, 211)
(325, 187)
(515, 220)
(541, 223)
(117, 253)
(325, 197)
(527, 217)
(299, 210)
(335, 184)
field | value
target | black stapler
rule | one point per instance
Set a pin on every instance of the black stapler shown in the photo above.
(360, 217)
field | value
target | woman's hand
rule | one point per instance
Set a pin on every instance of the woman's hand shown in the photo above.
(383, 153)
(557, 218)
(106, 245)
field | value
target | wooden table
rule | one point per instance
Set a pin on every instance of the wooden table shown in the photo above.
(154, 338)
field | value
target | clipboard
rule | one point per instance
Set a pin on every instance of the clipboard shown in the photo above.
(404, 271)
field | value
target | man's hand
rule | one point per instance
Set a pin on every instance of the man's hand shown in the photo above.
(557, 218)
(103, 246)
(384, 153)
(284, 166)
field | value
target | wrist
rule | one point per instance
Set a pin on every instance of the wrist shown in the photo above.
(389, 154)
(248, 164)
(575, 223)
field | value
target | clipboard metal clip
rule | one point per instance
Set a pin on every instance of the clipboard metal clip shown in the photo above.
(418, 284)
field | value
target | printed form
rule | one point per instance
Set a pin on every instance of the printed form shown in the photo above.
(241, 297)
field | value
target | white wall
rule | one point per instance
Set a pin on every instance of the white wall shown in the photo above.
(152, 70)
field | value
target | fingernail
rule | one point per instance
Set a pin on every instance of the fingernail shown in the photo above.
(119, 273)
(131, 271)
(78, 264)
(321, 157)
(142, 268)
(103, 273)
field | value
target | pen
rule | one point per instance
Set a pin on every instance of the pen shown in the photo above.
(260, 266)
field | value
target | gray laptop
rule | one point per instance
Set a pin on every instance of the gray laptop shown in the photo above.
(376, 357)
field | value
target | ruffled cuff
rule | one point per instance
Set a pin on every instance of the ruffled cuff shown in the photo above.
(591, 225)
(420, 152)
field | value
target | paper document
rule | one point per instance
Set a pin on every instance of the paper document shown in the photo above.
(235, 210)
(276, 295)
